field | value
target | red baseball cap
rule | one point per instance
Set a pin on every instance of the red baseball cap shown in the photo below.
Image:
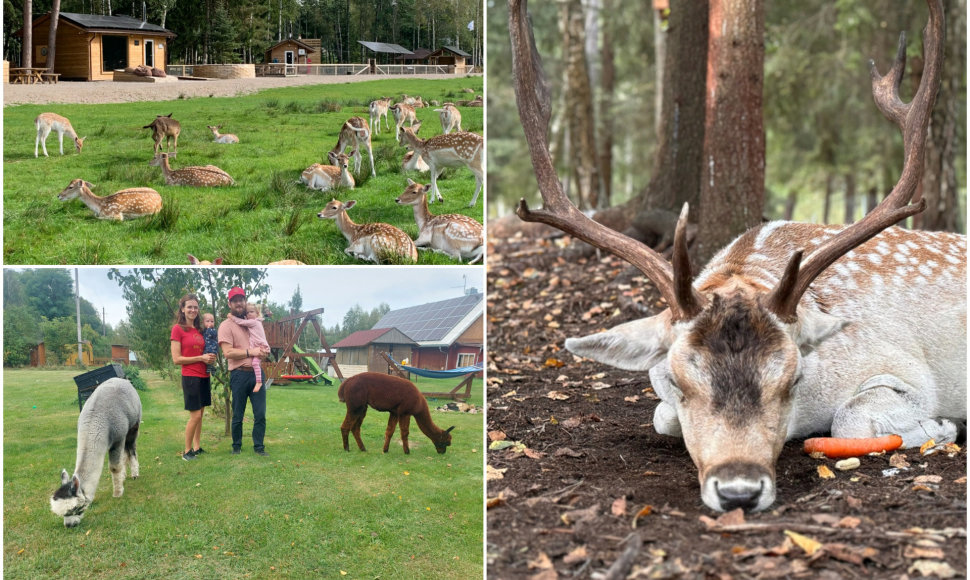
(236, 291)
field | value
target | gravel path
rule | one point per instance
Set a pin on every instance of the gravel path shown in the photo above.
(122, 92)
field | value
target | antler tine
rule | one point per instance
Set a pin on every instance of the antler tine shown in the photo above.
(532, 97)
(913, 120)
(689, 301)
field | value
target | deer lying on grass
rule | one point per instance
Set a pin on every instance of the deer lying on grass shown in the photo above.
(47, 122)
(129, 204)
(218, 262)
(403, 114)
(355, 134)
(375, 242)
(413, 162)
(397, 396)
(764, 346)
(108, 425)
(167, 128)
(455, 235)
(451, 150)
(327, 177)
(378, 109)
(450, 118)
(222, 137)
(194, 176)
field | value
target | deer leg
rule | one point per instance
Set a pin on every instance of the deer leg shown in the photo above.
(887, 405)
(435, 172)
(117, 466)
(405, 429)
(389, 432)
(60, 139)
(370, 152)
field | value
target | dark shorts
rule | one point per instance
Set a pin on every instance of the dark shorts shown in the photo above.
(197, 393)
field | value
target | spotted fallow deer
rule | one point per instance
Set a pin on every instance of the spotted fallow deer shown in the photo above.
(374, 242)
(195, 176)
(864, 337)
(167, 128)
(225, 138)
(355, 134)
(378, 109)
(327, 177)
(450, 118)
(47, 122)
(403, 113)
(455, 235)
(125, 204)
(452, 150)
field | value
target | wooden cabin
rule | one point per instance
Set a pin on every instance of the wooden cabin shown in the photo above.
(292, 51)
(91, 47)
(361, 351)
(450, 56)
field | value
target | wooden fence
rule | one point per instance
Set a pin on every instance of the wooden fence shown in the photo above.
(280, 69)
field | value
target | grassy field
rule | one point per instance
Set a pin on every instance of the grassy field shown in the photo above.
(310, 510)
(265, 217)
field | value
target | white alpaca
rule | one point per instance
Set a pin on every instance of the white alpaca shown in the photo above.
(108, 424)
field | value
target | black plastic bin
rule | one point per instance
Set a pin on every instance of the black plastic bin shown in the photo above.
(89, 381)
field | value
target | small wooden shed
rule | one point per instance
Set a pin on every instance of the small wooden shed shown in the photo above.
(291, 51)
(91, 47)
(450, 56)
(361, 351)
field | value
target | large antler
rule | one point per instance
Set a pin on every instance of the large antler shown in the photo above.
(532, 96)
(912, 119)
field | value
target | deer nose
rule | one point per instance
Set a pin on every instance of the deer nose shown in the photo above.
(739, 494)
(746, 486)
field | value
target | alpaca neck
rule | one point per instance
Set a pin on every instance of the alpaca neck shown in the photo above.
(91, 449)
(427, 426)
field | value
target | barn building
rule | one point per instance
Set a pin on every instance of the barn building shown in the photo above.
(361, 351)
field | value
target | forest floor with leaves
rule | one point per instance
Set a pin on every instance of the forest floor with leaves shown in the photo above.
(581, 486)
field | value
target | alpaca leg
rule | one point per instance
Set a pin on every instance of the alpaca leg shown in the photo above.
(117, 466)
(352, 424)
(356, 431)
(389, 432)
(131, 453)
(405, 428)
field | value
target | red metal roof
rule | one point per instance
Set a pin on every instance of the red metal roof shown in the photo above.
(362, 337)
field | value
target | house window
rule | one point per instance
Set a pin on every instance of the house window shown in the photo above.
(114, 52)
(466, 359)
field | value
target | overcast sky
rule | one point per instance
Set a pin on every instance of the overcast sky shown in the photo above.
(336, 289)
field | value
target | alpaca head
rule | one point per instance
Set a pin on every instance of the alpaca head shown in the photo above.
(68, 501)
(444, 441)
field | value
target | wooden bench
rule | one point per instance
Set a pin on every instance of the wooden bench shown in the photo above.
(50, 77)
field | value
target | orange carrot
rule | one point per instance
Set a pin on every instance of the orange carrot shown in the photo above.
(836, 448)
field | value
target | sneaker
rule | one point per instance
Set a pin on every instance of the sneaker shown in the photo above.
(188, 456)
(235, 451)
(198, 451)
(261, 452)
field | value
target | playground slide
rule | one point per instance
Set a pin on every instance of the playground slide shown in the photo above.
(317, 371)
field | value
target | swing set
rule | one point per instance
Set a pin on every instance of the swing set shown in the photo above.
(455, 394)
(293, 363)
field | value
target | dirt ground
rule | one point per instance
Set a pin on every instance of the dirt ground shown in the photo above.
(122, 92)
(581, 460)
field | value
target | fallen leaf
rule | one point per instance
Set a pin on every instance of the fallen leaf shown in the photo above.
(499, 445)
(927, 446)
(917, 552)
(731, 518)
(599, 386)
(492, 473)
(932, 568)
(557, 396)
(554, 362)
(851, 554)
(572, 422)
(854, 502)
(533, 454)
(553, 324)
(632, 399)
(807, 544)
(597, 376)
(576, 556)
(849, 522)
(898, 460)
(647, 509)
(928, 479)
(567, 452)
(573, 516)
(496, 435)
(825, 473)
(619, 507)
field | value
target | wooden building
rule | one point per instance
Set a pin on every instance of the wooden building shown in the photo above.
(450, 56)
(91, 47)
(360, 352)
(293, 51)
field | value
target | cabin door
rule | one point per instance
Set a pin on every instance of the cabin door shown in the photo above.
(150, 53)
(289, 57)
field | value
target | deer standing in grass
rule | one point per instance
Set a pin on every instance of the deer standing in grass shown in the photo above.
(403, 114)
(864, 337)
(222, 137)
(378, 109)
(195, 176)
(167, 128)
(375, 242)
(126, 204)
(455, 235)
(397, 396)
(327, 177)
(47, 122)
(355, 134)
(450, 118)
(451, 150)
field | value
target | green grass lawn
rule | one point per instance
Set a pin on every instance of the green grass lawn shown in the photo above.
(267, 216)
(310, 510)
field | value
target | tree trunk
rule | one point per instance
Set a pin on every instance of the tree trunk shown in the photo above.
(579, 109)
(849, 198)
(28, 47)
(790, 205)
(827, 203)
(52, 34)
(872, 199)
(660, 52)
(608, 82)
(732, 187)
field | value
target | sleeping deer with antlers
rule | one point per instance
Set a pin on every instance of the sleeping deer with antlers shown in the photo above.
(793, 328)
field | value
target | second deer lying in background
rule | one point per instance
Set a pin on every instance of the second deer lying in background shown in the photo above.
(207, 176)
(126, 204)
(375, 242)
(326, 177)
(456, 235)
(397, 396)
(222, 137)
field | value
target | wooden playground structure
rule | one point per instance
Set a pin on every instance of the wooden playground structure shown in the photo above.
(292, 363)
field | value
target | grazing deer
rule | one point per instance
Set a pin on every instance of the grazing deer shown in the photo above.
(126, 204)
(451, 150)
(195, 176)
(165, 127)
(222, 137)
(326, 177)
(456, 235)
(47, 122)
(375, 242)
(397, 396)
(865, 337)
(354, 134)
(403, 113)
(450, 118)
(378, 109)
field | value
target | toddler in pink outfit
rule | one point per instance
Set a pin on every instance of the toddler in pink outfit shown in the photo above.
(257, 337)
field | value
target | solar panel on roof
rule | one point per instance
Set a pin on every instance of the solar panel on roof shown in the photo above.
(433, 321)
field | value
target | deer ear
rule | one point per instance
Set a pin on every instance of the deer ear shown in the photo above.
(193, 259)
(350, 204)
(410, 181)
(217, 261)
(89, 185)
(64, 477)
(813, 327)
(633, 346)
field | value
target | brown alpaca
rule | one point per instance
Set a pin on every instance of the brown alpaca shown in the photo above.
(395, 395)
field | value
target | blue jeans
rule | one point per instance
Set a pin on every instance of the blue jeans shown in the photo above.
(242, 383)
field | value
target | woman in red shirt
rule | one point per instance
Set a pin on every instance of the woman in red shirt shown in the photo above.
(187, 351)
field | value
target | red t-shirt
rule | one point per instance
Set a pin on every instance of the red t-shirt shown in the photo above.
(193, 344)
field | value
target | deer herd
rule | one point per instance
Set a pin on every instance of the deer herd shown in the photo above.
(454, 235)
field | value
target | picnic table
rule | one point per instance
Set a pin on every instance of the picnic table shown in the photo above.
(31, 75)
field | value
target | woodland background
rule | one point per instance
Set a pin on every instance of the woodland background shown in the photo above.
(829, 155)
